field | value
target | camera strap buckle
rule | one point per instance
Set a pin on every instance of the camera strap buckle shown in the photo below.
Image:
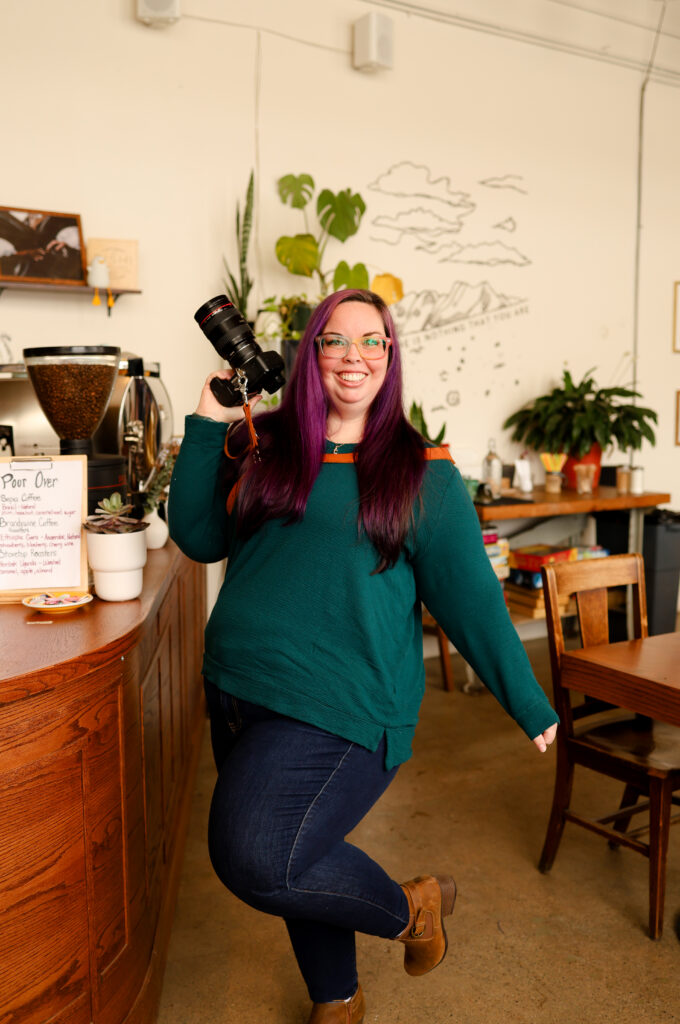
(242, 385)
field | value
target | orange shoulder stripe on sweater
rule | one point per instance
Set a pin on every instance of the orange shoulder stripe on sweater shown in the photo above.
(431, 454)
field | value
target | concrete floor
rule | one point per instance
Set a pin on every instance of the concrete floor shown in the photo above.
(563, 948)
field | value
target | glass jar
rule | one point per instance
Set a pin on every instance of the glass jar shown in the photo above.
(492, 470)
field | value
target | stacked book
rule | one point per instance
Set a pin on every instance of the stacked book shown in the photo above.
(498, 551)
(529, 601)
(524, 587)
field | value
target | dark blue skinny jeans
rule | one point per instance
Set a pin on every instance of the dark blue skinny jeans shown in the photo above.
(286, 796)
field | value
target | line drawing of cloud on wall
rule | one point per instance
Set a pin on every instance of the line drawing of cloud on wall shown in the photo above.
(488, 253)
(409, 179)
(422, 225)
(509, 224)
(513, 181)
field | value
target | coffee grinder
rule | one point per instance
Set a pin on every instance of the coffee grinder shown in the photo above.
(73, 384)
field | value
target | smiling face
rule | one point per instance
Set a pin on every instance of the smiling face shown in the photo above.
(351, 382)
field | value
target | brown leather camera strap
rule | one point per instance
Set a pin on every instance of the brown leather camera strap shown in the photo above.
(252, 433)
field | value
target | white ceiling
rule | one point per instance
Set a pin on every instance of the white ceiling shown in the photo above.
(615, 31)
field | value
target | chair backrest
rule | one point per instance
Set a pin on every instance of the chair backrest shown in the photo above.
(589, 581)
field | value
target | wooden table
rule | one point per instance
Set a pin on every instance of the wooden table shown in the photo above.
(640, 675)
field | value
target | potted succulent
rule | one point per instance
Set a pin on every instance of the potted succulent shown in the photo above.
(582, 420)
(116, 550)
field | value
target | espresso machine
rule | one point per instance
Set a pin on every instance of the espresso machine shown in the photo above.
(136, 423)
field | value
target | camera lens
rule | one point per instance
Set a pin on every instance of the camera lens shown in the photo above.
(232, 337)
(226, 330)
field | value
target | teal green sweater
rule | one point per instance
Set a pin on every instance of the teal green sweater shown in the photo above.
(302, 627)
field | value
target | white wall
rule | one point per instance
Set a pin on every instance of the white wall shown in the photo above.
(151, 134)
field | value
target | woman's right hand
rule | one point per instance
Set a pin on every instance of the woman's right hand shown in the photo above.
(214, 410)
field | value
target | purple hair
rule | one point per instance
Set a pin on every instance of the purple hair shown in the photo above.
(390, 461)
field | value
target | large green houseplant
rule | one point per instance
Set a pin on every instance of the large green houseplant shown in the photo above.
(583, 420)
(338, 216)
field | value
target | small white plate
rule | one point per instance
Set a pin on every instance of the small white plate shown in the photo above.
(57, 603)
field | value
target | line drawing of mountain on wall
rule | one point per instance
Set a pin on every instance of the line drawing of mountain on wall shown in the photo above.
(427, 310)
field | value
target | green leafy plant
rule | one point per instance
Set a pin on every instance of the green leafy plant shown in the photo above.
(339, 216)
(239, 291)
(112, 516)
(159, 481)
(417, 419)
(574, 417)
(292, 314)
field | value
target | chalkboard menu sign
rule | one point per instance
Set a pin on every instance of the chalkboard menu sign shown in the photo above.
(43, 504)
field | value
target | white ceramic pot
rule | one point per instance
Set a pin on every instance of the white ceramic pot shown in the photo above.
(117, 561)
(158, 531)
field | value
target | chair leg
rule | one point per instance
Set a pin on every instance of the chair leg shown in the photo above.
(631, 795)
(564, 779)
(445, 658)
(660, 792)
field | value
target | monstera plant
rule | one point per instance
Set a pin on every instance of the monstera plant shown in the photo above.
(338, 216)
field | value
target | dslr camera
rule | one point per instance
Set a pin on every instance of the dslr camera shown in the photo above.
(234, 341)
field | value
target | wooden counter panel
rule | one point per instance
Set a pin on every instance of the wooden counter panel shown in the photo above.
(98, 752)
(57, 719)
(153, 785)
(105, 824)
(43, 891)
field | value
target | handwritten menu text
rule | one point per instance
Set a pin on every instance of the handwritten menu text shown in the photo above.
(41, 512)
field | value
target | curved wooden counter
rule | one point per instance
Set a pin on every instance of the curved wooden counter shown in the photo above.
(101, 715)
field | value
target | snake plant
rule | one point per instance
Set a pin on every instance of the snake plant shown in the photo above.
(238, 291)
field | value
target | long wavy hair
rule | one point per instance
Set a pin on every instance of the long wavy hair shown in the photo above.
(390, 459)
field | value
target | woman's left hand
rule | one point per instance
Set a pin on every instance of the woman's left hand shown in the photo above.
(545, 739)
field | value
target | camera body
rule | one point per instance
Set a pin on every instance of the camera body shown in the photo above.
(233, 339)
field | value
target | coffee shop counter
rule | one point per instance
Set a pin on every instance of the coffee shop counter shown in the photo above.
(101, 716)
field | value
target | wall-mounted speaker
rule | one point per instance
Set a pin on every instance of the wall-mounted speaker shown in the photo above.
(158, 12)
(373, 46)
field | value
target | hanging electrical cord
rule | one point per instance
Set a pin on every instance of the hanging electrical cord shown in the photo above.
(256, 127)
(638, 228)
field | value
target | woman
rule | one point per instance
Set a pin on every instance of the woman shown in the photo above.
(313, 654)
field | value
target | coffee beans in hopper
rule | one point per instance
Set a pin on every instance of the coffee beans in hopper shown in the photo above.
(73, 396)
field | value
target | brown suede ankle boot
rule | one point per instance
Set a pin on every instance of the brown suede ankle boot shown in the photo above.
(340, 1011)
(430, 900)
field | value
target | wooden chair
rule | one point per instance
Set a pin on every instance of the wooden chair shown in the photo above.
(641, 753)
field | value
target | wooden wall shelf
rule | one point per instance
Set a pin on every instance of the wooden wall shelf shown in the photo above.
(68, 289)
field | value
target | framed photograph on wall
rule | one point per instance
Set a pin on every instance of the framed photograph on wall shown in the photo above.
(41, 247)
(676, 316)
